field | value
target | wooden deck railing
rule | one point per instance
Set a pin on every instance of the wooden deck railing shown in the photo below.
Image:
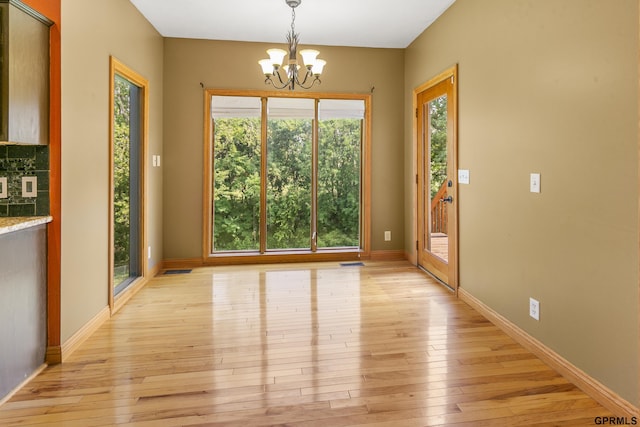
(439, 210)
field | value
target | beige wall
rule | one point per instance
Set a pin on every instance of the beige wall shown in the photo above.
(546, 86)
(93, 30)
(233, 65)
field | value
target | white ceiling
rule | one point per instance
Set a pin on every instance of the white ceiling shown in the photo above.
(362, 23)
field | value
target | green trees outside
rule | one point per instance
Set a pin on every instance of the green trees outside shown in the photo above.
(339, 164)
(289, 145)
(236, 167)
(289, 183)
(438, 143)
(121, 196)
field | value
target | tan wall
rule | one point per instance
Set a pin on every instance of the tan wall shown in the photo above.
(93, 30)
(546, 86)
(233, 65)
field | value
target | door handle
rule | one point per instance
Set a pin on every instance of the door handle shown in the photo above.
(448, 199)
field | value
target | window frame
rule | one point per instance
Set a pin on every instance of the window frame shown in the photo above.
(116, 67)
(297, 255)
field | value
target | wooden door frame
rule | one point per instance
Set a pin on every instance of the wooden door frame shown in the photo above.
(449, 73)
(119, 68)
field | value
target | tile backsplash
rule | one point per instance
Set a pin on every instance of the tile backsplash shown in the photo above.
(17, 161)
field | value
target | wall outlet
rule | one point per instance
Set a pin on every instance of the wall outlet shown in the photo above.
(534, 308)
(29, 186)
(387, 236)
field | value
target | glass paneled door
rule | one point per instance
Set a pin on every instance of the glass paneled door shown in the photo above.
(437, 204)
(127, 148)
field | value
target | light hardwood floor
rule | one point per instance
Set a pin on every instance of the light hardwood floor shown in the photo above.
(308, 345)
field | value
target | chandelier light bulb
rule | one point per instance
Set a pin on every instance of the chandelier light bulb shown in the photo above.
(267, 66)
(276, 56)
(318, 66)
(309, 56)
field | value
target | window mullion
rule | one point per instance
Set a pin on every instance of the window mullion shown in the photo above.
(314, 179)
(263, 177)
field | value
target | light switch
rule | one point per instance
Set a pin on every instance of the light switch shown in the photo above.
(3, 188)
(534, 183)
(29, 186)
(463, 176)
(154, 160)
(158, 158)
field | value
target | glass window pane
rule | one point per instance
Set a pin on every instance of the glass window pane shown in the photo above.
(289, 173)
(437, 131)
(339, 160)
(126, 183)
(121, 226)
(236, 168)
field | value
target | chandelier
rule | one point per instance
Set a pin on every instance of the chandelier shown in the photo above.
(292, 73)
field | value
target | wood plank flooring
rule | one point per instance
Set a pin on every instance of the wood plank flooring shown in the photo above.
(305, 345)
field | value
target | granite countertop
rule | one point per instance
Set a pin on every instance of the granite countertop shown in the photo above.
(15, 223)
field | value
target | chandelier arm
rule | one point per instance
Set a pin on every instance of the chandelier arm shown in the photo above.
(310, 85)
(279, 87)
(277, 74)
(282, 84)
(307, 74)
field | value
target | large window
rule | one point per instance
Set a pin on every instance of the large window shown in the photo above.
(128, 114)
(126, 183)
(286, 174)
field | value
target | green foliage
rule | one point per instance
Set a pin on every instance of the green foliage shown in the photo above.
(237, 183)
(438, 128)
(121, 180)
(339, 183)
(288, 184)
